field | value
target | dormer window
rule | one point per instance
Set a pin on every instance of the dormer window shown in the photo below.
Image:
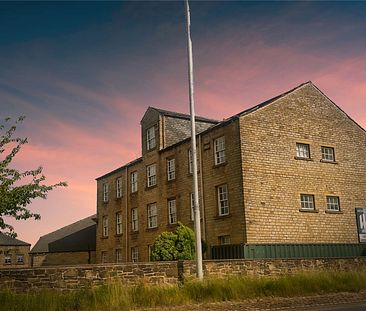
(150, 138)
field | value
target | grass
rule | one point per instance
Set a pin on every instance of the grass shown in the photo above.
(118, 297)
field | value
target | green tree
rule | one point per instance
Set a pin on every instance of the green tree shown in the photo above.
(18, 189)
(178, 245)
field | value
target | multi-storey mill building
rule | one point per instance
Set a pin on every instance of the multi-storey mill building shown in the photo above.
(289, 170)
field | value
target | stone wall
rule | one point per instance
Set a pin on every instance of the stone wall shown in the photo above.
(77, 277)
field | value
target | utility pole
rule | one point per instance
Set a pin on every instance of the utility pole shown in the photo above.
(197, 217)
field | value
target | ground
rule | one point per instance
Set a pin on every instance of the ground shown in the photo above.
(276, 303)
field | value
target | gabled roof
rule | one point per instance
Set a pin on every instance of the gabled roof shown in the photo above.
(181, 115)
(79, 236)
(6, 240)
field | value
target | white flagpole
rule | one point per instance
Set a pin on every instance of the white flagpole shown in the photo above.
(197, 217)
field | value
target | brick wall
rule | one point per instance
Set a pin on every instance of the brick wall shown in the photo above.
(77, 277)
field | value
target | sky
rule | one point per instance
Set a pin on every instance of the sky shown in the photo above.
(84, 73)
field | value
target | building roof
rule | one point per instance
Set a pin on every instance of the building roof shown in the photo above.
(79, 236)
(217, 124)
(182, 115)
(6, 240)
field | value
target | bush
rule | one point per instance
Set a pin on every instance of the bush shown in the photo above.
(178, 245)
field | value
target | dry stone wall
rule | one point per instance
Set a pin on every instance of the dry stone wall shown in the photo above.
(78, 277)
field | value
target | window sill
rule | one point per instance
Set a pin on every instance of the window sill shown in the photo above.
(333, 212)
(150, 187)
(222, 216)
(104, 237)
(172, 225)
(134, 193)
(118, 199)
(171, 180)
(134, 233)
(118, 235)
(220, 165)
(303, 159)
(330, 162)
(308, 210)
(151, 229)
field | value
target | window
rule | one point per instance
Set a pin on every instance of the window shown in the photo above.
(151, 175)
(172, 209)
(152, 216)
(223, 200)
(103, 257)
(307, 201)
(328, 154)
(119, 223)
(118, 255)
(119, 187)
(20, 259)
(105, 226)
(191, 195)
(134, 220)
(150, 138)
(134, 254)
(333, 204)
(224, 239)
(219, 144)
(7, 259)
(105, 192)
(170, 169)
(190, 163)
(303, 151)
(133, 182)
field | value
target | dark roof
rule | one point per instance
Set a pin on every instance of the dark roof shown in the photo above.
(183, 115)
(6, 240)
(120, 168)
(79, 236)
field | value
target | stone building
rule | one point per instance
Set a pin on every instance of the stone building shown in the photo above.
(13, 252)
(71, 245)
(289, 170)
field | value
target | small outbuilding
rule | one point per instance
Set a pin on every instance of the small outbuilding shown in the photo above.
(70, 245)
(13, 252)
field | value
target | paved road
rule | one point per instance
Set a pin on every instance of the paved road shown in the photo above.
(340, 307)
(327, 302)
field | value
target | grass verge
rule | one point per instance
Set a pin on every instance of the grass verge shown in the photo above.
(118, 297)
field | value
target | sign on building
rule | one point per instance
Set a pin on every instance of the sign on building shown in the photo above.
(361, 224)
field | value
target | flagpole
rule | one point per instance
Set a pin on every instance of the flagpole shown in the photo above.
(197, 217)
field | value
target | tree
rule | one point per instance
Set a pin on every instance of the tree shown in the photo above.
(18, 189)
(178, 245)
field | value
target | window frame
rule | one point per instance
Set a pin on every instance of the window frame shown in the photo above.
(170, 167)
(304, 203)
(190, 161)
(300, 151)
(118, 255)
(134, 180)
(20, 262)
(105, 227)
(325, 154)
(134, 254)
(119, 186)
(219, 150)
(151, 175)
(225, 239)
(105, 192)
(172, 211)
(8, 259)
(330, 204)
(223, 203)
(150, 138)
(134, 219)
(119, 226)
(103, 256)
(152, 216)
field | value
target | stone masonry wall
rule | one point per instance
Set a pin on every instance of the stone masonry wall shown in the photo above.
(274, 177)
(77, 277)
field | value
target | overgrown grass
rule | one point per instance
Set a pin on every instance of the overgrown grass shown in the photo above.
(118, 297)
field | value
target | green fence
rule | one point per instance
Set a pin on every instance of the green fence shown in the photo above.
(252, 251)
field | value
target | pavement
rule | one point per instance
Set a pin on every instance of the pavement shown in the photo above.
(323, 302)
